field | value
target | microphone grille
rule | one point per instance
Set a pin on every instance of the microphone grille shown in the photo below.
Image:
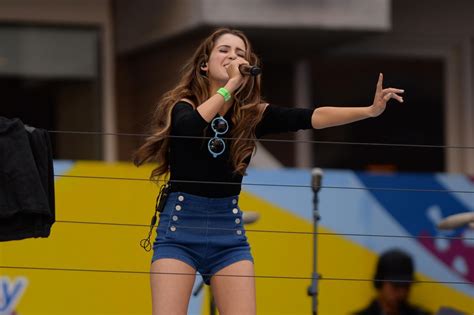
(317, 172)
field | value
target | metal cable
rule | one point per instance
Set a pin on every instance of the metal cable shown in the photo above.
(406, 145)
(233, 275)
(278, 231)
(270, 185)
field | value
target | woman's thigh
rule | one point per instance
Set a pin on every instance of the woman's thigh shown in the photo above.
(171, 292)
(235, 295)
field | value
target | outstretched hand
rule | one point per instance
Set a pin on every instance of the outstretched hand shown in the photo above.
(382, 96)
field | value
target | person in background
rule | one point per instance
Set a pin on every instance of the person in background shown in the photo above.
(393, 280)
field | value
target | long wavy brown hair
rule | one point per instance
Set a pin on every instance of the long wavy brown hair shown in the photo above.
(194, 85)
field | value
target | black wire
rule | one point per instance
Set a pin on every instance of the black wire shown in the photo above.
(275, 185)
(159, 204)
(435, 146)
(280, 231)
(235, 276)
(269, 185)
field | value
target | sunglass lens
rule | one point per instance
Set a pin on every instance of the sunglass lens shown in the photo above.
(216, 145)
(219, 125)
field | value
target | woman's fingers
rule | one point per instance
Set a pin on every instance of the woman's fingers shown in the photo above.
(234, 64)
(239, 61)
(388, 93)
(388, 96)
(380, 83)
(392, 90)
(398, 98)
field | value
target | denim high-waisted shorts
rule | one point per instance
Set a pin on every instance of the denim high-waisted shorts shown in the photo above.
(206, 233)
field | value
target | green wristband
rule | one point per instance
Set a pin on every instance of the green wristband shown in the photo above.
(223, 91)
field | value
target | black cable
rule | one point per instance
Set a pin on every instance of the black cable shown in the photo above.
(280, 231)
(275, 185)
(270, 185)
(235, 276)
(431, 146)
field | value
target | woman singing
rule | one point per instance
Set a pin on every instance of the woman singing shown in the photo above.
(201, 228)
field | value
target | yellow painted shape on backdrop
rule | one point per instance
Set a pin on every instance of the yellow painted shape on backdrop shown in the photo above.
(90, 246)
(116, 248)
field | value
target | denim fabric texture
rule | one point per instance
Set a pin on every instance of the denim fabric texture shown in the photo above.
(206, 233)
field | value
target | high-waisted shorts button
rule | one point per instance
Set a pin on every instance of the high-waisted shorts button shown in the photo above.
(239, 232)
(175, 218)
(180, 198)
(173, 228)
(237, 220)
(234, 201)
(178, 207)
(235, 210)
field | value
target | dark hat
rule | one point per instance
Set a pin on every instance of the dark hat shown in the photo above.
(394, 265)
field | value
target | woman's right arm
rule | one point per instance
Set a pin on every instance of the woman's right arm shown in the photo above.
(188, 121)
(215, 103)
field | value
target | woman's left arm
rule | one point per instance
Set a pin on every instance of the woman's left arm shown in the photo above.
(327, 116)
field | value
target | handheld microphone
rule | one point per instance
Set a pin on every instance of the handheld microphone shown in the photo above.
(249, 70)
(316, 179)
(457, 220)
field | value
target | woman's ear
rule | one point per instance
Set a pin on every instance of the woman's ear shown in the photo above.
(203, 66)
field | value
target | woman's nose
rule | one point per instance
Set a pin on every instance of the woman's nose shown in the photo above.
(232, 56)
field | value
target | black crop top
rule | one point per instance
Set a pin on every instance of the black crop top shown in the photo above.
(191, 164)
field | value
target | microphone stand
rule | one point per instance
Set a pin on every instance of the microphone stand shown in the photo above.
(313, 288)
(212, 304)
